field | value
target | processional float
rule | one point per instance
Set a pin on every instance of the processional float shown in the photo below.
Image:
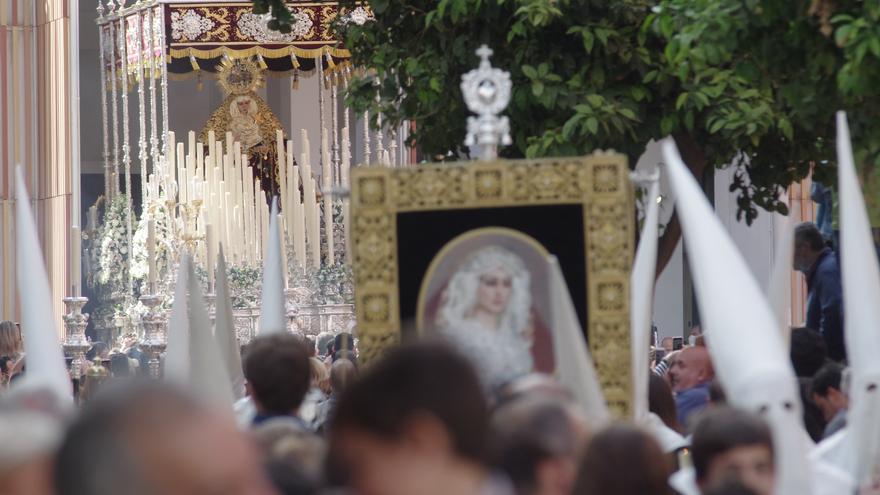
(567, 221)
(201, 189)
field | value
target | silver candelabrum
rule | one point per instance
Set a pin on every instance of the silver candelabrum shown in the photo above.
(75, 342)
(155, 325)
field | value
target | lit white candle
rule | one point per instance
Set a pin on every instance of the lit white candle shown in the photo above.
(327, 181)
(315, 236)
(210, 240)
(151, 255)
(346, 222)
(264, 227)
(299, 235)
(76, 260)
(283, 249)
(200, 160)
(180, 175)
(236, 233)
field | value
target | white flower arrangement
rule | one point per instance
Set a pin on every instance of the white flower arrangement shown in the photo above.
(114, 255)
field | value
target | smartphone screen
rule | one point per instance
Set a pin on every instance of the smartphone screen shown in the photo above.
(659, 354)
(677, 343)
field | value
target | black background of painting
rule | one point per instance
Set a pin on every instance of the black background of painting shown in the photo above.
(422, 234)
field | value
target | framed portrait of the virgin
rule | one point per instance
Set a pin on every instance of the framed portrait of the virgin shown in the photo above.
(461, 251)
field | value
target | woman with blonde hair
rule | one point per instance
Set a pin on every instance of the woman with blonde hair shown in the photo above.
(318, 390)
(10, 340)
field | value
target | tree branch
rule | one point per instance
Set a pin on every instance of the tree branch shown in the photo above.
(696, 161)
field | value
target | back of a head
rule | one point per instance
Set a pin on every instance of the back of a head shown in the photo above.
(345, 354)
(528, 431)
(342, 374)
(731, 487)
(285, 442)
(720, 429)
(828, 377)
(343, 342)
(807, 233)
(418, 380)
(323, 343)
(278, 373)
(98, 348)
(120, 366)
(29, 437)
(647, 467)
(97, 456)
(808, 351)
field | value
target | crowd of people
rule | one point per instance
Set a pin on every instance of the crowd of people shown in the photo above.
(417, 422)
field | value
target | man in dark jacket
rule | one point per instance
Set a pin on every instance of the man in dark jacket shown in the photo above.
(825, 301)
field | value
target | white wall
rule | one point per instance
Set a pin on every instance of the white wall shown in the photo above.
(756, 243)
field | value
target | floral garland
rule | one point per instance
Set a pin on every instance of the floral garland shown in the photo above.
(332, 283)
(245, 286)
(114, 255)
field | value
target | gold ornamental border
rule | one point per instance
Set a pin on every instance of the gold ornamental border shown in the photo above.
(598, 182)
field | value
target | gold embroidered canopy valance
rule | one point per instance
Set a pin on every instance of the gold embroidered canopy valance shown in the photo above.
(197, 35)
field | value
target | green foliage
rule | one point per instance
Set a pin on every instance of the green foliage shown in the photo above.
(755, 83)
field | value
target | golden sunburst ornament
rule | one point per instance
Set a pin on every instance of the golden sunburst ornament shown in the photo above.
(239, 76)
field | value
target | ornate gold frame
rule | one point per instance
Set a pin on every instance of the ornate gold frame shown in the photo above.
(598, 182)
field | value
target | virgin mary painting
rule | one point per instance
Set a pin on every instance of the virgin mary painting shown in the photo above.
(483, 293)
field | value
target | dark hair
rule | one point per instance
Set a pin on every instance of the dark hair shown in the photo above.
(731, 487)
(343, 354)
(721, 429)
(808, 233)
(526, 432)
(96, 350)
(96, 457)
(716, 393)
(343, 342)
(418, 379)
(829, 376)
(342, 374)
(278, 372)
(808, 351)
(814, 420)
(289, 479)
(120, 367)
(662, 403)
(602, 472)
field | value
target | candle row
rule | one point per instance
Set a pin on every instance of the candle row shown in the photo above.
(213, 196)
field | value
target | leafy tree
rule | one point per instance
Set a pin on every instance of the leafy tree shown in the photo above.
(750, 83)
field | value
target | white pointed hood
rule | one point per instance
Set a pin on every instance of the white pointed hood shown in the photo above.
(224, 330)
(642, 299)
(193, 359)
(44, 358)
(779, 286)
(273, 317)
(177, 355)
(737, 316)
(207, 374)
(861, 293)
(574, 368)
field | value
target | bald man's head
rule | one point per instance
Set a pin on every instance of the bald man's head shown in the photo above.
(692, 367)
